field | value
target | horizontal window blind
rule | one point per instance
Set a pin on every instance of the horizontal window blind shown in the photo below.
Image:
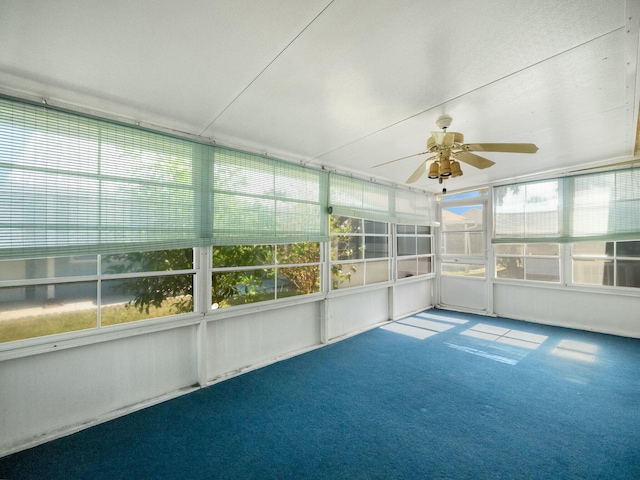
(604, 206)
(71, 185)
(258, 200)
(353, 197)
(531, 211)
(74, 185)
(592, 207)
(415, 208)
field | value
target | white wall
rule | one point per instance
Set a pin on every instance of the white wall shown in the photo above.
(465, 293)
(356, 312)
(236, 344)
(612, 313)
(411, 297)
(65, 383)
(62, 386)
(47, 394)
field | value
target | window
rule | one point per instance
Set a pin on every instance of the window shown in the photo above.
(63, 294)
(73, 185)
(413, 249)
(528, 261)
(462, 241)
(603, 206)
(359, 252)
(462, 231)
(101, 219)
(614, 264)
(242, 274)
(527, 211)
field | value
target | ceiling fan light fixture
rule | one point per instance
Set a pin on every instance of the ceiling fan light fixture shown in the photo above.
(456, 171)
(434, 170)
(448, 149)
(445, 167)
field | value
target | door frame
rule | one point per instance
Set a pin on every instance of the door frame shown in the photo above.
(481, 287)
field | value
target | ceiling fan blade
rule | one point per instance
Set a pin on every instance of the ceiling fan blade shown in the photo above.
(473, 159)
(398, 159)
(415, 176)
(501, 147)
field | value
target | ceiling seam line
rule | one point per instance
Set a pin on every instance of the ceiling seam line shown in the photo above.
(464, 94)
(266, 67)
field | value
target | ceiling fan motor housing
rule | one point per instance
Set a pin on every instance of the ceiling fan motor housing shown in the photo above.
(441, 140)
(444, 121)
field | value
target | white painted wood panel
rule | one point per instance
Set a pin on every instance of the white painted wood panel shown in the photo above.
(585, 310)
(357, 311)
(465, 293)
(238, 344)
(411, 297)
(45, 394)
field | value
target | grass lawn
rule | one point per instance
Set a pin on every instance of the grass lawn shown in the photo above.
(49, 323)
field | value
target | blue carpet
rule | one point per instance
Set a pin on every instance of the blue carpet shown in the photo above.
(436, 395)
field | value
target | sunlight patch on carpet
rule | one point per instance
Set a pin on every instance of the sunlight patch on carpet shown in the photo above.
(444, 318)
(419, 328)
(426, 324)
(508, 336)
(585, 352)
(409, 331)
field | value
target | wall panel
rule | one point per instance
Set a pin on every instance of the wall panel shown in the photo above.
(236, 344)
(358, 311)
(411, 297)
(48, 393)
(585, 310)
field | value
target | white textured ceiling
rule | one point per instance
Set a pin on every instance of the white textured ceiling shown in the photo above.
(344, 84)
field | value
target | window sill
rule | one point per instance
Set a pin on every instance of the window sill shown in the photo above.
(63, 341)
(616, 291)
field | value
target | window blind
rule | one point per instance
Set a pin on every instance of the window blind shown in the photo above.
(74, 185)
(591, 207)
(604, 206)
(260, 200)
(415, 208)
(529, 211)
(353, 197)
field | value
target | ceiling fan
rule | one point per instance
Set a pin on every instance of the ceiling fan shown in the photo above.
(448, 149)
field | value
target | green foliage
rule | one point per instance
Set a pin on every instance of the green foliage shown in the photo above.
(234, 286)
(305, 279)
(242, 286)
(153, 291)
(242, 255)
(342, 247)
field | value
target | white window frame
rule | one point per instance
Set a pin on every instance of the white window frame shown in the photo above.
(363, 261)
(524, 256)
(615, 258)
(416, 256)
